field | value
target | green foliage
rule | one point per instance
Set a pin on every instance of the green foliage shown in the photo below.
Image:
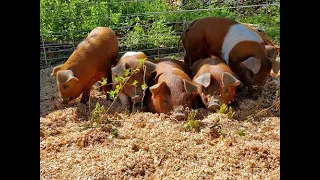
(66, 21)
(230, 113)
(144, 87)
(114, 93)
(104, 81)
(224, 109)
(192, 122)
(114, 132)
(122, 80)
(158, 34)
(241, 132)
(97, 113)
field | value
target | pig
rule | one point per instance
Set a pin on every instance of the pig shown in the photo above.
(172, 89)
(132, 94)
(243, 49)
(272, 50)
(216, 82)
(91, 60)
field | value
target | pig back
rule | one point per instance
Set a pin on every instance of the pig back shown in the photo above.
(94, 55)
(167, 64)
(103, 47)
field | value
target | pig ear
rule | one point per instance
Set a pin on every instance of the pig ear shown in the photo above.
(65, 76)
(229, 80)
(55, 70)
(156, 88)
(275, 66)
(150, 67)
(253, 64)
(119, 69)
(204, 79)
(271, 51)
(189, 86)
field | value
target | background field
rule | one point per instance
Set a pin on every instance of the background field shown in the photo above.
(143, 145)
(153, 26)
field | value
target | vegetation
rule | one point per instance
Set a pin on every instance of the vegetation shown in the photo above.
(146, 24)
(120, 82)
(192, 123)
(224, 109)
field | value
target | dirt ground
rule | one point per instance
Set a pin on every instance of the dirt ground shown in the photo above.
(152, 146)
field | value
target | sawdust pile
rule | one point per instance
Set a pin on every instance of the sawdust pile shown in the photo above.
(151, 146)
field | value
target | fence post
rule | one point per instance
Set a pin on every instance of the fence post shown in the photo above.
(44, 49)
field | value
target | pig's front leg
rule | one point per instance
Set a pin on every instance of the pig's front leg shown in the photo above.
(85, 97)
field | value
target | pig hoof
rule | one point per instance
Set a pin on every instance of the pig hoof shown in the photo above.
(213, 106)
(179, 116)
(136, 99)
(85, 97)
(83, 101)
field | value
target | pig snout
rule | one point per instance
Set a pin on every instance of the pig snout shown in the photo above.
(213, 104)
(179, 115)
(136, 99)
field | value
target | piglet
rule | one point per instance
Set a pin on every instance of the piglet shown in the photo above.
(172, 89)
(131, 94)
(88, 64)
(216, 82)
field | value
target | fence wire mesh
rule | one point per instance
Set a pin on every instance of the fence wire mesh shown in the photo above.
(151, 26)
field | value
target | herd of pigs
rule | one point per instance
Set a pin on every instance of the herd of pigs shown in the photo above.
(220, 53)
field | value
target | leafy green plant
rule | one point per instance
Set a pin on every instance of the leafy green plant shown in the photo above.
(230, 113)
(114, 132)
(98, 114)
(192, 122)
(224, 109)
(241, 132)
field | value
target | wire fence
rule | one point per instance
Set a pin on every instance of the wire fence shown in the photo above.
(151, 26)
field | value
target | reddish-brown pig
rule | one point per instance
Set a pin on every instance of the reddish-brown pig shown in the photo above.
(172, 89)
(90, 61)
(216, 82)
(241, 48)
(131, 94)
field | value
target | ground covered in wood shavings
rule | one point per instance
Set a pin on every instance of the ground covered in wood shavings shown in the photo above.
(152, 146)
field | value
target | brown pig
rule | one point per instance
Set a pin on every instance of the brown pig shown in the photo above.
(171, 90)
(90, 61)
(216, 82)
(130, 93)
(243, 49)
